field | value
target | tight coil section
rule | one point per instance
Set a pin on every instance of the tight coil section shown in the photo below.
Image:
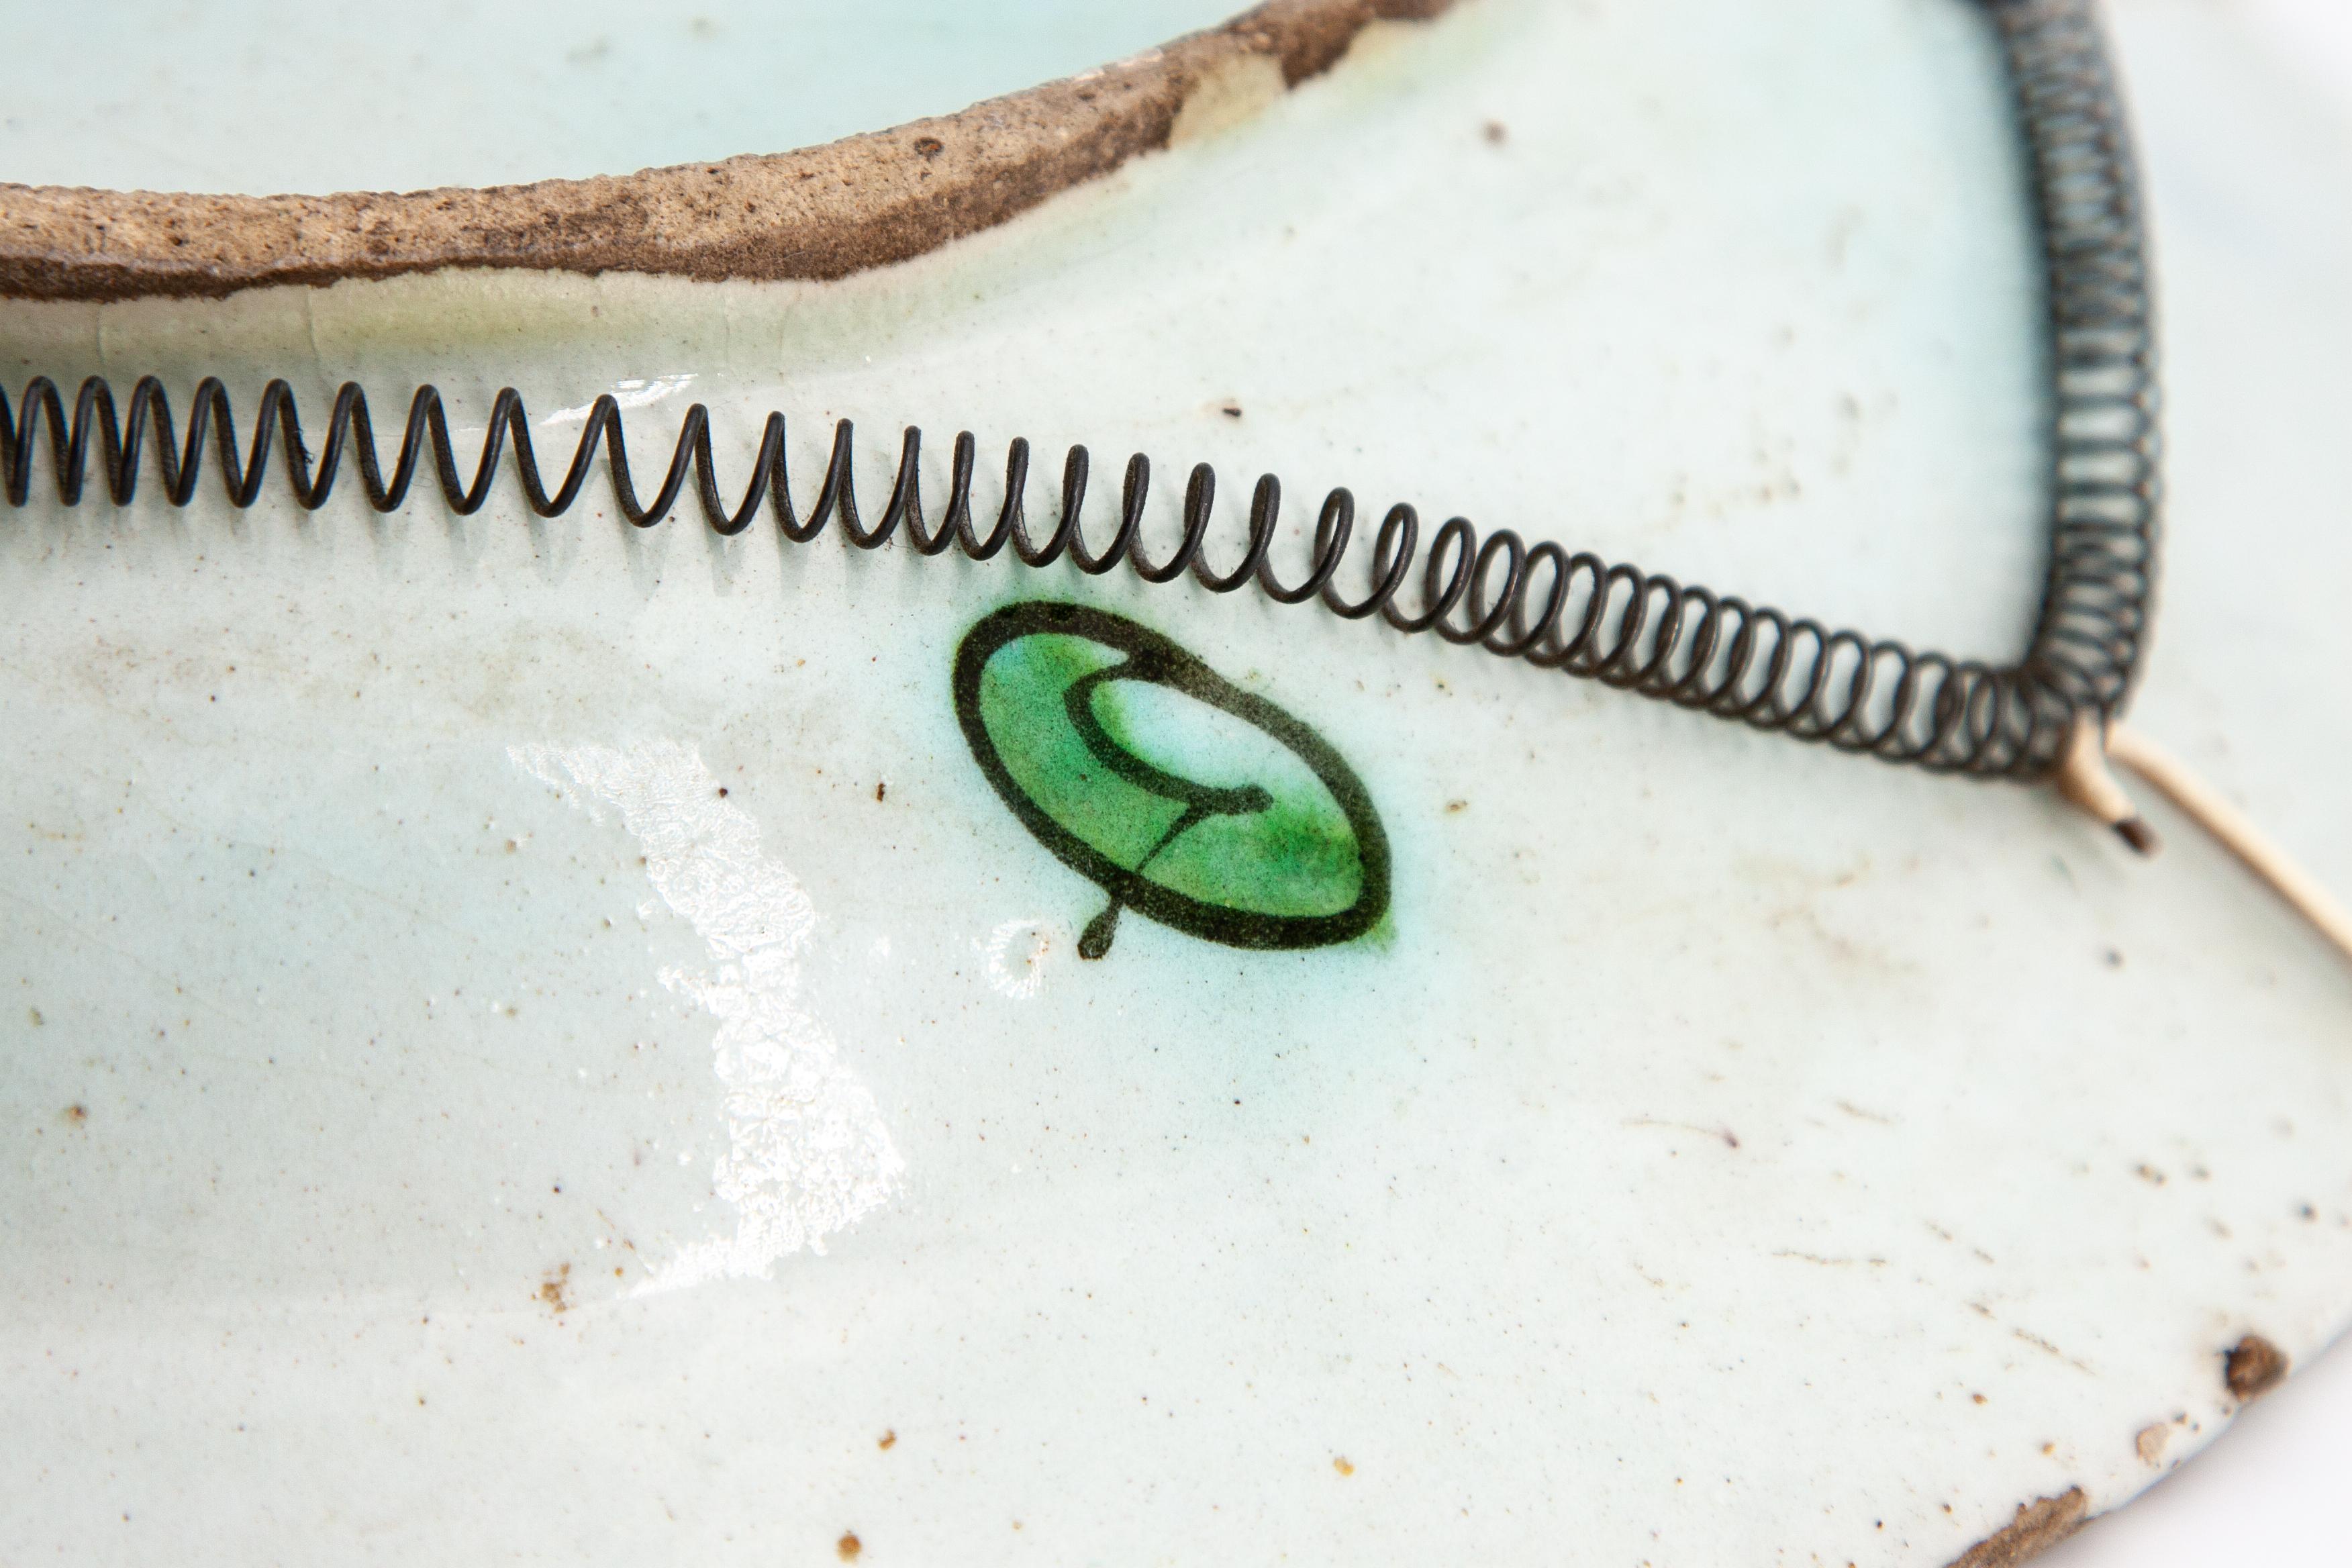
(2106, 492)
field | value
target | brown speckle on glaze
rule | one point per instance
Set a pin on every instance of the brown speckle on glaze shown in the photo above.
(2252, 1367)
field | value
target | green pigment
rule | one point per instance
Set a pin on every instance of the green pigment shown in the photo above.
(1297, 857)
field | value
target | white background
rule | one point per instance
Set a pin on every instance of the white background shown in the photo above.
(2276, 1489)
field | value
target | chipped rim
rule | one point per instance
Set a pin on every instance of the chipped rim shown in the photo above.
(819, 212)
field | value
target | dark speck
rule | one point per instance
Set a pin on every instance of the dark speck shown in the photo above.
(2253, 1367)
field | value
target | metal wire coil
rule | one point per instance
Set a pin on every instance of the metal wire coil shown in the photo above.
(1638, 631)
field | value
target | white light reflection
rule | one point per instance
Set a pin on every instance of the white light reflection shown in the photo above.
(807, 1152)
(629, 391)
(1016, 953)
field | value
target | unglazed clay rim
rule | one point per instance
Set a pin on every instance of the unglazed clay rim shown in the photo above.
(820, 213)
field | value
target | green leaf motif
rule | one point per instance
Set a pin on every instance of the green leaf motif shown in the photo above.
(1191, 802)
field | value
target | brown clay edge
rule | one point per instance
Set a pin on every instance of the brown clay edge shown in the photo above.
(2039, 1525)
(822, 213)
(2250, 1368)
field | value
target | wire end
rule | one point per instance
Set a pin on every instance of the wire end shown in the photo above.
(2084, 779)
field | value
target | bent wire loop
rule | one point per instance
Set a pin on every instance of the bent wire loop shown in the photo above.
(1638, 631)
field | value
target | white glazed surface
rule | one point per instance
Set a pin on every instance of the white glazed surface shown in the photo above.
(491, 1140)
(257, 97)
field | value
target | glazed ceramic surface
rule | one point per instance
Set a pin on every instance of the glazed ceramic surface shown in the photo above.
(259, 96)
(544, 1038)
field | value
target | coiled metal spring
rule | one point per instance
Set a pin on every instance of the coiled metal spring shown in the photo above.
(1638, 631)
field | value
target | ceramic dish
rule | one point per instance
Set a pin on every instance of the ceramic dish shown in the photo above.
(536, 1035)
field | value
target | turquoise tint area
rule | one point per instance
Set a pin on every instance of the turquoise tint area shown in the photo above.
(263, 96)
(1298, 856)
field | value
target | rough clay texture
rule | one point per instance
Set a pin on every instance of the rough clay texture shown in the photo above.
(824, 212)
(2039, 1525)
(2253, 1367)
